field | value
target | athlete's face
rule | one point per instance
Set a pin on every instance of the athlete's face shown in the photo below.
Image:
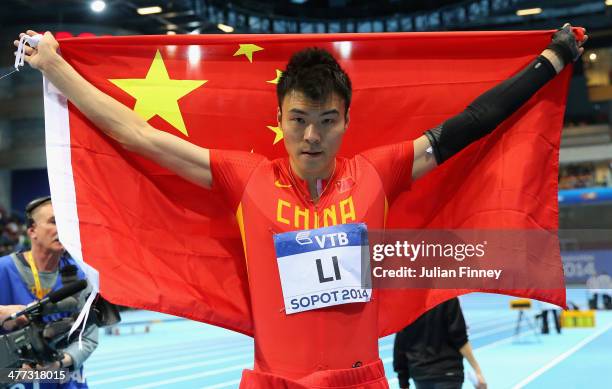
(43, 232)
(312, 132)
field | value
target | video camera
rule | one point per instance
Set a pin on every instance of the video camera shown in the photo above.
(38, 342)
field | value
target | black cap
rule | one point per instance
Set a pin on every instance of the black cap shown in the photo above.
(32, 205)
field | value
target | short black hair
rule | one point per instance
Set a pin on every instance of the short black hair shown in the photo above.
(315, 73)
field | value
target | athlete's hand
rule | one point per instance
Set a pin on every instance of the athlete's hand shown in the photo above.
(568, 43)
(44, 53)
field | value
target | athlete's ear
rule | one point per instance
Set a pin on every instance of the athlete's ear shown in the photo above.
(279, 116)
(347, 119)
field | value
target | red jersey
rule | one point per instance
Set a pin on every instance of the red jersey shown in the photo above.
(269, 198)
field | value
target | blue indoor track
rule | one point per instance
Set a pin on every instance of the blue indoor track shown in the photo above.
(181, 353)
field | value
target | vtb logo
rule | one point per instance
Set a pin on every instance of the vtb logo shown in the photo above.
(303, 238)
(335, 239)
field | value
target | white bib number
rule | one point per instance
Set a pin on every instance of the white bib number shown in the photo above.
(323, 267)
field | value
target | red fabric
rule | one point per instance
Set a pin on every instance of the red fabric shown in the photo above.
(231, 171)
(390, 163)
(161, 243)
(272, 200)
(369, 376)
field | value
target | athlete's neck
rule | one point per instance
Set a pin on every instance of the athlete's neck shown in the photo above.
(45, 260)
(314, 179)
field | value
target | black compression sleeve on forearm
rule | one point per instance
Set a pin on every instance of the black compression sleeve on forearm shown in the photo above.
(485, 113)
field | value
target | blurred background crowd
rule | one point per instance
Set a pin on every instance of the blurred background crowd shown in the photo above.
(13, 229)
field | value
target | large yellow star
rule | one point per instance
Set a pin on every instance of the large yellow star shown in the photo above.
(247, 49)
(157, 94)
(279, 73)
(278, 134)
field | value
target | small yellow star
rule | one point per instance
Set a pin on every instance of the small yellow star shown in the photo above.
(279, 73)
(248, 50)
(277, 132)
(158, 94)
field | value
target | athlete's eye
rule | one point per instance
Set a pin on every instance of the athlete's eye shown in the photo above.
(299, 120)
(328, 122)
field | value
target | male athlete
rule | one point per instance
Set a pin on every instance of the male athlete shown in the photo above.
(334, 346)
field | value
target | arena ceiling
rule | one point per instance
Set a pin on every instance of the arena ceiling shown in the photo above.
(287, 16)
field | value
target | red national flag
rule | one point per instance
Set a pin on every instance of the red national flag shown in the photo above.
(161, 243)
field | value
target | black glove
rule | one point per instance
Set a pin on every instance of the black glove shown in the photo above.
(564, 44)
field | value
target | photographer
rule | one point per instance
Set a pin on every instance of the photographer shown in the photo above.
(31, 275)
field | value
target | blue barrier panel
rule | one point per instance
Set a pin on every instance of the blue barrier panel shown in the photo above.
(585, 196)
(578, 266)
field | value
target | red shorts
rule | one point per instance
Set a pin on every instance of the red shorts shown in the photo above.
(370, 376)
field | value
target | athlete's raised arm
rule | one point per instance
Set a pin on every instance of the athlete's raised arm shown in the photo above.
(116, 120)
(490, 109)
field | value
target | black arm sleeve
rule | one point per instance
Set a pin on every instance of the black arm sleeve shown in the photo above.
(485, 113)
(400, 362)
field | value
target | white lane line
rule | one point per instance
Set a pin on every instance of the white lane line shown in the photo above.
(160, 361)
(502, 341)
(165, 350)
(190, 377)
(148, 348)
(168, 370)
(473, 323)
(472, 328)
(168, 354)
(233, 384)
(561, 357)
(145, 346)
(481, 334)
